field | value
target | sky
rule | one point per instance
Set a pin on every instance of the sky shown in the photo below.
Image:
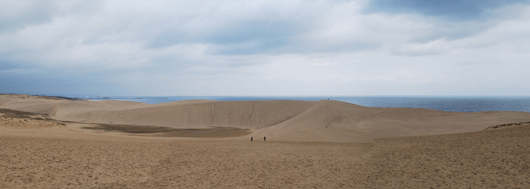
(266, 48)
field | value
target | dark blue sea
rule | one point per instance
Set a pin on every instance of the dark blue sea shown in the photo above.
(453, 104)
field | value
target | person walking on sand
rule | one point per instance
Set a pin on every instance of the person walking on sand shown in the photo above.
(251, 139)
(264, 138)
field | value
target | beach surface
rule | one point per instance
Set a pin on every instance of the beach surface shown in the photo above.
(60, 143)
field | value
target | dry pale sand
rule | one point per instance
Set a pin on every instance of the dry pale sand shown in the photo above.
(45, 143)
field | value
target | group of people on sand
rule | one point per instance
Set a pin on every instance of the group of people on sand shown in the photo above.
(252, 138)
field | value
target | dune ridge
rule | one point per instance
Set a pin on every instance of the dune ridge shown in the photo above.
(289, 120)
(360, 148)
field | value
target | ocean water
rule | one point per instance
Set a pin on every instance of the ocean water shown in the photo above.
(454, 104)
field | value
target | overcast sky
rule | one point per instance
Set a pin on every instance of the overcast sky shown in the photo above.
(266, 48)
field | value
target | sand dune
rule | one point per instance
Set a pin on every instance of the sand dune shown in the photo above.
(44, 145)
(280, 120)
(55, 157)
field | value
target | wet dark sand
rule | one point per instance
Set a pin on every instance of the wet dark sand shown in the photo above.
(214, 132)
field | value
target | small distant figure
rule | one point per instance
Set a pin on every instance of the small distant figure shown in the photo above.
(257, 127)
(264, 138)
(251, 139)
(326, 126)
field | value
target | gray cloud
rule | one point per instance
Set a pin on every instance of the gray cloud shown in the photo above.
(452, 19)
(15, 15)
(455, 10)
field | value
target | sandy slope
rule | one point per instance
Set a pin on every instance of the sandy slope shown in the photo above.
(37, 151)
(279, 120)
(55, 157)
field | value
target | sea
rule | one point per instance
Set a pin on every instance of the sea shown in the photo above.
(443, 103)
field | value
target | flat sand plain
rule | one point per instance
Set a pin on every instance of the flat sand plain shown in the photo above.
(44, 145)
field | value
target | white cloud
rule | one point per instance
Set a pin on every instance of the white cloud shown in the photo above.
(227, 48)
(430, 48)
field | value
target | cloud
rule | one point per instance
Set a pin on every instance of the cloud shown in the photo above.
(454, 10)
(261, 47)
(430, 48)
(15, 15)
(453, 19)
